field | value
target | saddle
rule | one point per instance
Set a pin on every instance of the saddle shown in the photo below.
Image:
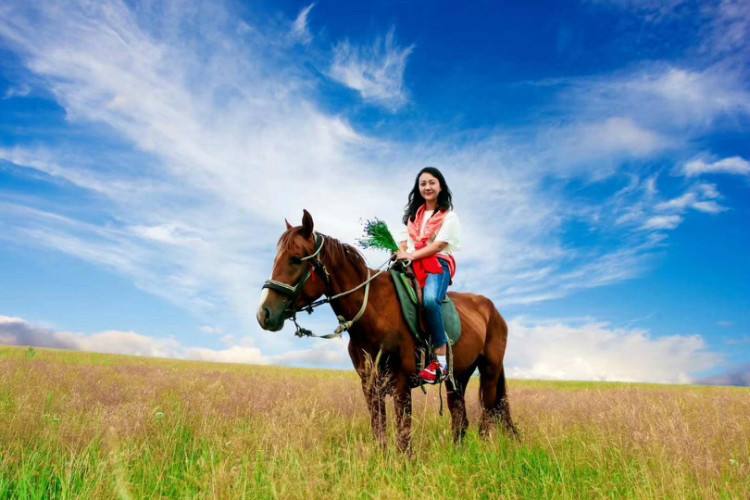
(409, 296)
(411, 307)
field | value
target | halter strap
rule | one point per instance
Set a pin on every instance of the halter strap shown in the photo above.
(292, 292)
(317, 251)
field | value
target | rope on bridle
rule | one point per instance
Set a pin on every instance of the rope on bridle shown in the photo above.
(344, 324)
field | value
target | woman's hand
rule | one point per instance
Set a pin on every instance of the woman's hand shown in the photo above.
(403, 255)
(428, 251)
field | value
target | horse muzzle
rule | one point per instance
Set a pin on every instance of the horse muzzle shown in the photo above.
(266, 322)
(268, 317)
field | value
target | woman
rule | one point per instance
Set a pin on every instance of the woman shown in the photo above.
(431, 235)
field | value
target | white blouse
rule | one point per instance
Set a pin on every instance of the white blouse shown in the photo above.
(450, 232)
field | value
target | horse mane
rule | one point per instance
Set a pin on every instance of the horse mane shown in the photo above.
(334, 249)
(338, 251)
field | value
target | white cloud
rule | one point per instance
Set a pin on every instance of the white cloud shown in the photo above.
(700, 197)
(641, 207)
(171, 234)
(680, 203)
(728, 29)
(590, 350)
(720, 28)
(300, 31)
(376, 71)
(17, 331)
(732, 165)
(211, 330)
(234, 354)
(701, 94)
(17, 91)
(559, 349)
(330, 354)
(663, 222)
(602, 145)
(674, 102)
(709, 207)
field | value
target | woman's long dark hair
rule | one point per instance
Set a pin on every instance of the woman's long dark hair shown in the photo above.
(444, 201)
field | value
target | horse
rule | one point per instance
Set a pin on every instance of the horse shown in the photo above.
(383, 351)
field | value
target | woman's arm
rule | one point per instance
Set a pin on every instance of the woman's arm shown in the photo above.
(429, 250)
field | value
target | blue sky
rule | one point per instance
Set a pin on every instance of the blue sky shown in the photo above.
(597, 151)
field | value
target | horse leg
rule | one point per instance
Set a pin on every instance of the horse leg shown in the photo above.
(494, 399)
(373, 388)
(457, 407)
(402, 408)
(502, 407)
(487, 395)
(375, 397)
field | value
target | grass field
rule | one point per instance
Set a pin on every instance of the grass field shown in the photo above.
(79, 425)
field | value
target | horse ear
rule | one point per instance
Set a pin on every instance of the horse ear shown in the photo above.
(288, 226)
(307, 224)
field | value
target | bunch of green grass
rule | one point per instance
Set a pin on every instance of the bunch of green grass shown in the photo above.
(377, 235)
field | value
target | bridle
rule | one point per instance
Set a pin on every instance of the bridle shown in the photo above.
(292, 292)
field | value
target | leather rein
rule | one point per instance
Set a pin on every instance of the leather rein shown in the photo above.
(292, 292)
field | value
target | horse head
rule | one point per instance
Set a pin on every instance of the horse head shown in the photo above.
(297, 278)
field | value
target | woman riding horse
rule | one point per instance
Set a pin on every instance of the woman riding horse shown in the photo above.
(309, 265)
(431, 235)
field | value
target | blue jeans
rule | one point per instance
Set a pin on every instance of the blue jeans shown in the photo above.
(433, 296)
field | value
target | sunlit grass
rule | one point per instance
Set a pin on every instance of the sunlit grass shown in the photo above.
(91, 425)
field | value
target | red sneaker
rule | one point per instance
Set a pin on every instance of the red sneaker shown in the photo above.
(432, 373)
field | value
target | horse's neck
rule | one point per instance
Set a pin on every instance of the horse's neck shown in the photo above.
(346, 275)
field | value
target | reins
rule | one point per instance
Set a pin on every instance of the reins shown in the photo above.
(344, 324)
(292, 293)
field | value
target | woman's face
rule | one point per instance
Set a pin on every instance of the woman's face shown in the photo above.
(429, 187)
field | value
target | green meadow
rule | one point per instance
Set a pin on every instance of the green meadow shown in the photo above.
(81, 425)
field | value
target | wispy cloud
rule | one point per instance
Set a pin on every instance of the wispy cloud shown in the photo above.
(376, 71)
(662, 222)
(728, 29)
(17, 91)
(652, 10)
(732, 165)
(669, 214)
(722, 25)
(597, 147)
(300, 31)
(646, 214)
(661, 97)
(187, 220)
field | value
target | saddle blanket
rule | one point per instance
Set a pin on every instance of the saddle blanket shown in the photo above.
(407, 296)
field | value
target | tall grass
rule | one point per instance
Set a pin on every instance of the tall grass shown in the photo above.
(78, 425)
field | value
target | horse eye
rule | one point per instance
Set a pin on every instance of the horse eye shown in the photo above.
(295, 260)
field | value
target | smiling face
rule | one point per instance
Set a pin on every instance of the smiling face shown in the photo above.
(429, 187)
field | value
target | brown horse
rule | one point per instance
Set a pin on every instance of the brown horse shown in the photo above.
(308, 265)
